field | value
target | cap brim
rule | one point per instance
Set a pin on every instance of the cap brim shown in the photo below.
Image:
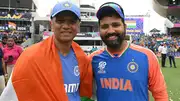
(63, 11)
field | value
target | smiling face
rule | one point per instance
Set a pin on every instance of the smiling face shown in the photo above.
(112, 31)
(65, 26)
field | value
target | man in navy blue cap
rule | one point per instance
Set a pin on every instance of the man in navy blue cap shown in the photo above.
(124, 71)
(55, 69)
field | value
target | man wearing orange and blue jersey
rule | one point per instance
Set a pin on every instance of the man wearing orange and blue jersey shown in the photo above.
(123, 71)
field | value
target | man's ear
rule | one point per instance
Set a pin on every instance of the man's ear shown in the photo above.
(125, 26)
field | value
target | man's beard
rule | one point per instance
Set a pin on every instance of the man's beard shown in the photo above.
(114, 44)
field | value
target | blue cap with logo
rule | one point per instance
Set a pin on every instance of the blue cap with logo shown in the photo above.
(65, 6)
(109, 6)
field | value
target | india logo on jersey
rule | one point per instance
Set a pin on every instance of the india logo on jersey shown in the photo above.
(76, 71)
(116, 84)
(101, 67)
(132, 67)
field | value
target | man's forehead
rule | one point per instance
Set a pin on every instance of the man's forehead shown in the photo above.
(109, 22)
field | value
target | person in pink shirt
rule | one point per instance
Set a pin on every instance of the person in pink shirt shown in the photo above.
(11, 54)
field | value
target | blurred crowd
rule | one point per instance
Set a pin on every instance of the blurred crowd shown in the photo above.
(153, 42)
(163, 45)
(19, 37)
(14, 14)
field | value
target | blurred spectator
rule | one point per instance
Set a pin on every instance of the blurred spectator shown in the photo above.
(27, 15)
(11, 54)
(163, 50)
(171, 54)
(4, 41)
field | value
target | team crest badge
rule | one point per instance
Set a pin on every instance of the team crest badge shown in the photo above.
(76, 71)
(101, 67)
(132, 67)
(67, 5)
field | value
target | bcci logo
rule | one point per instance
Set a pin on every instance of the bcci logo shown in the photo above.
(101, 67)
(132, 67)
(67, 5)
(76, 71)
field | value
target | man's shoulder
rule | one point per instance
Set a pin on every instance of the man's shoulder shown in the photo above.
(141, 49)
(96, 53)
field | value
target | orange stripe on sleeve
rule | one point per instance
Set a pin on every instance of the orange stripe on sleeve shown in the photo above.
(95, 53)
(156, 80)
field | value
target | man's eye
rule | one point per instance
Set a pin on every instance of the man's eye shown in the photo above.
(116, 24)
(73, 21)
(105, 26)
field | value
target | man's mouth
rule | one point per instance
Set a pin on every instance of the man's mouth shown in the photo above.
(112, 37)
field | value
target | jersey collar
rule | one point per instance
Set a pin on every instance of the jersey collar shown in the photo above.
(119, 53)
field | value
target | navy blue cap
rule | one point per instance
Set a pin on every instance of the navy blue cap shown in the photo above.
(108, 7)
(65, 6)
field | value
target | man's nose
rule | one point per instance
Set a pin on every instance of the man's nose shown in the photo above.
(66, 25)
(110, 29)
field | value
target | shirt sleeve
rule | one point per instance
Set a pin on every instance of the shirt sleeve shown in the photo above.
(157, 83)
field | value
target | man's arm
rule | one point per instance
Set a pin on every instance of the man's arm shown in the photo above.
(157, 83)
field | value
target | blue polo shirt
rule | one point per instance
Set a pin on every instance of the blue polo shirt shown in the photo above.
(71, 75)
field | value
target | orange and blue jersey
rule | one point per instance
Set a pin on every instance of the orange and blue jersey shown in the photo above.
(128, 76)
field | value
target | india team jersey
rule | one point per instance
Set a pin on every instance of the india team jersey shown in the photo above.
(71, 75)
(128, 77)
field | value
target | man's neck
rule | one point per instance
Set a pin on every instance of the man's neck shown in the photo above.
(63, 47)
(123, 46)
